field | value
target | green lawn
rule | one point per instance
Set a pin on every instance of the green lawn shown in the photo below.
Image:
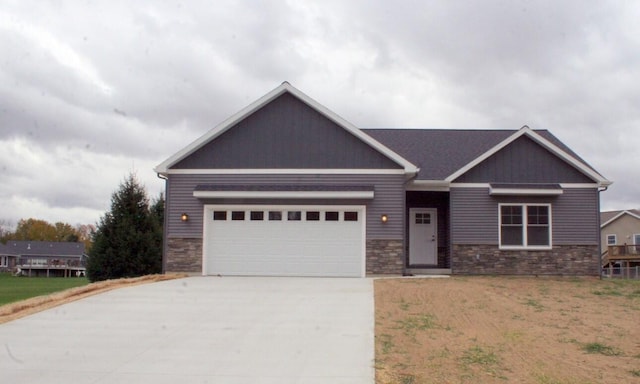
(14, 289)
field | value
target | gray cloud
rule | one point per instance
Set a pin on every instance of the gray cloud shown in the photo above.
(90, 91)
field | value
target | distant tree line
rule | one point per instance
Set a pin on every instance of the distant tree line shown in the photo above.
(41, 230)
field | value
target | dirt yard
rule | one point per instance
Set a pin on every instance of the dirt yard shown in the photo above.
(507, 330)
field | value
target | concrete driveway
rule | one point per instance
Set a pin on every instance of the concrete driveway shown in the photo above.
(200, 330)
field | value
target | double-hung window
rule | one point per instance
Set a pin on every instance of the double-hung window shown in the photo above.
(525, 226)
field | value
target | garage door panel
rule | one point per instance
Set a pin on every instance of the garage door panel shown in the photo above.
(285, 248)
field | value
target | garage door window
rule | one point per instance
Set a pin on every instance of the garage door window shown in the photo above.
(237, 215)
(257, 215)
(313, 216)
(331, 216)
(351, 216)
(294, 215)
(275, 215)
(219, 215)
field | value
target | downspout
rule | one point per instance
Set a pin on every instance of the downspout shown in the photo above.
(165, 223)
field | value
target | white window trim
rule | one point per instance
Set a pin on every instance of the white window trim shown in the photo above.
(615, 239)
(636, 235)
(4, 261)
(524, 227)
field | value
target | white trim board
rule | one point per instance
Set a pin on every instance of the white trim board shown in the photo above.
(286, 171)
(283, 194)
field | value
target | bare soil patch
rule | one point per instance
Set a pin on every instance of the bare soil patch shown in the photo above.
(27, 307)
(507, 329)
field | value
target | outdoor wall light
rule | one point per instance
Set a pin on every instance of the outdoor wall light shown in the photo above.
(384, 218)
(184, 217)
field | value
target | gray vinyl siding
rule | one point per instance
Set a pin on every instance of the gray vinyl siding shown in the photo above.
(474, 215)
(523, 161)
(286, 133)
(388, 199)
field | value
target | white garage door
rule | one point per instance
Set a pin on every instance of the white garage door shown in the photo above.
(284, 240)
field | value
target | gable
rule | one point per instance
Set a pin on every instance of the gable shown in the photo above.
(286, 133)
(523, 161)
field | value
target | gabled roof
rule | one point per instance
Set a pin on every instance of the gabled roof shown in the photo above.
(609, 217)
(447, 154)
(285, 87)
(44, 248)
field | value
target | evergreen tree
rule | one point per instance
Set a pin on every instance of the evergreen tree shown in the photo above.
(128, 240)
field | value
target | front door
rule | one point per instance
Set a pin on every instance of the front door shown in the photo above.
(423, 239)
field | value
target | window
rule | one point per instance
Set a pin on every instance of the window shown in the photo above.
(4, 261)
(612, 240)
(525, 226)
(636, 239)
(219, 215)
(351, 216)
(256, 216)
(313, 216)
(237, 215)
(423, 218)
(275, 215)
(331, 216)
(294, 215)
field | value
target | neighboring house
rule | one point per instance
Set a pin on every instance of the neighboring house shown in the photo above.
(47, 258)
(287, 187)
(620, 237)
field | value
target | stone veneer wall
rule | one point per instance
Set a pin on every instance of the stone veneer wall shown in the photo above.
(385, 257)
(184, 255)
(573, 260)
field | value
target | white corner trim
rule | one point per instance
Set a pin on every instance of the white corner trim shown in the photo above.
(286, 171)
(284, 87)
(283, 194)
(540, 140)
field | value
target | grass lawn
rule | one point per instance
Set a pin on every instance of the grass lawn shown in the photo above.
(14, 289)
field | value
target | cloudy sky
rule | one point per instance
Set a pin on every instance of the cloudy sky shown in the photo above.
(93, 90)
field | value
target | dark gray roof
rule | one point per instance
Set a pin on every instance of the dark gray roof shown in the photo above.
(44, 248)
(283, 187)
(441, 152)
(4, 250)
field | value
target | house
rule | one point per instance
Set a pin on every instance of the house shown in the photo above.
(620, 238)
(46, 258)
(287, 187)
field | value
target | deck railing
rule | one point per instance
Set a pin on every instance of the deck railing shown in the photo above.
(51, 263)
(623, 250)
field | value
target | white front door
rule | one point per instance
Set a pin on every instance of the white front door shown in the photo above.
(423, 238)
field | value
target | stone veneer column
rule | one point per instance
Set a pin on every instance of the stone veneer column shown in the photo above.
(571, 260)
(385, 257)
(184, 255)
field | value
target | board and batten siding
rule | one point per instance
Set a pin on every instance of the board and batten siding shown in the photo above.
(388, 199)
(474, 215)
(523, 161)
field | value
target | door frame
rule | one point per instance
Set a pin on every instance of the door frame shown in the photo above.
(434, 215)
